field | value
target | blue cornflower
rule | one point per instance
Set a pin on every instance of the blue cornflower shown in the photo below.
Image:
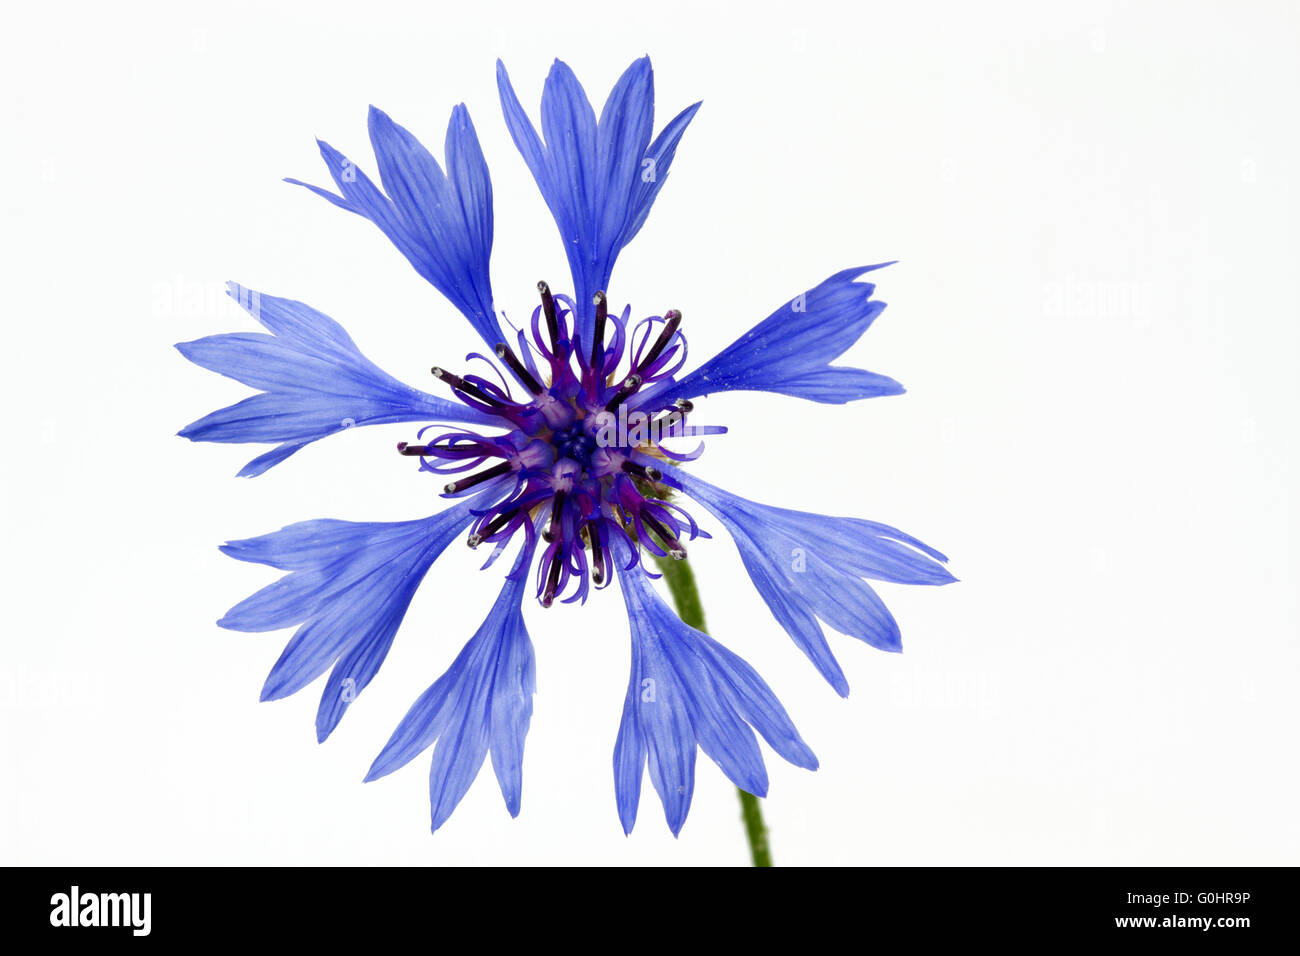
(566, 457)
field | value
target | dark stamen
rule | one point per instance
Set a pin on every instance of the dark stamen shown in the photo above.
(674, 546)
(553, 578)
(672, 319)
(521, 372)
(495, 471)
(492, 527)
(414, 450)
(630, 385)
(552, 322)
(597, 556)
(454, 449)
(557, 509)
(649, 474)
(598, 337)
(469, 388)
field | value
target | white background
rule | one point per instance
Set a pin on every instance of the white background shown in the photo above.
(1095, 210)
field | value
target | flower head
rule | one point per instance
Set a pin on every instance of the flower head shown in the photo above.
(561, 442)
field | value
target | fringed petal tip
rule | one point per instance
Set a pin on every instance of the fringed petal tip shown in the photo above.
(687, 692)
(441, 221)
(809, 569)
(790, 351)
(482, 705)
(312, 379)
(347, 589)
(599, 176)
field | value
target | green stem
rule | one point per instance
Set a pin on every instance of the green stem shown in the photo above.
(681, 584)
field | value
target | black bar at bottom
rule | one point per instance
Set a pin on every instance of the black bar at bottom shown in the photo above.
(349, 906)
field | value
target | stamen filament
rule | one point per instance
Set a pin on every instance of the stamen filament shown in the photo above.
(557, 509)
(672, 319)
(663, 534)
(521, 371)
(641, 471)
(597, 555)
(630, 385)
(469, 388)
(552, 321)
(495, 471)
(553, 578)
(598, 336)
(492, 527)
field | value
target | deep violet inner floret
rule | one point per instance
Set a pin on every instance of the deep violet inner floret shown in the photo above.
(581, 458)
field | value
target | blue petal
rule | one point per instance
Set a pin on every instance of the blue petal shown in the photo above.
(686, 691)
(349, 585)
(482, 704)
(659, 157)
(623, 135)
(441, 222)
(809, 566)
(314, 382)
(630, 749)
(599, 178)
(790, 351)
(270, 459)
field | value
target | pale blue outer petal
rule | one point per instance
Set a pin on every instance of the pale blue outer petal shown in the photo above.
(481, 705)
(599, 177)
(809, 566)
(314, 382)
(349, 585)
(441, 222)
(685, 691)
(790, 351)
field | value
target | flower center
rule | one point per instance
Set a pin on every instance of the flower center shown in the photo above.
(574, 443)
(575, 462)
